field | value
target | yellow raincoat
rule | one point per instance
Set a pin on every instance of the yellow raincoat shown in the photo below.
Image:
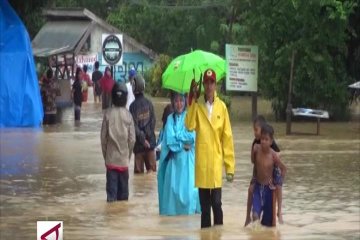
(214, 142)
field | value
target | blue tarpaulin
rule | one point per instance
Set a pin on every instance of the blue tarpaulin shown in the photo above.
(20, 100)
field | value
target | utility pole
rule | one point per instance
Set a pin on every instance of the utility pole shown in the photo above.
(254, 96)
(289, 106)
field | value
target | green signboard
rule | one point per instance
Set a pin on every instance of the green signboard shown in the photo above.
(242, 68)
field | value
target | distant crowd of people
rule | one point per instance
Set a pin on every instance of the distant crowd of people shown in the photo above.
(102, 85)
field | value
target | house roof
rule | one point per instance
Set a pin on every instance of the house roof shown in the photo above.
(67, 30)
(58, 37)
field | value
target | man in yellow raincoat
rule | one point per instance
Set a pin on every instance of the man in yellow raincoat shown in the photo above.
(214, 147)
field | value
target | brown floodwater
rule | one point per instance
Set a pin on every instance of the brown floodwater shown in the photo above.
(57, 173)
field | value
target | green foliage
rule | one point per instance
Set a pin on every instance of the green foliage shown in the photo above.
(324, 33)
(154, 74)
(172, 31)
(353, 45)
(30, 13)
(100, 8)
(215, 46)
(226, 99)
(316, 30)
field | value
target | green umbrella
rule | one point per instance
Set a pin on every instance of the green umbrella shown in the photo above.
(181, 70)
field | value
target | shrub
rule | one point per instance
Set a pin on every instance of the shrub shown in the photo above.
(154, 74)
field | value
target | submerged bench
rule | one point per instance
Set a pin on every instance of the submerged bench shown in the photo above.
(312, 113)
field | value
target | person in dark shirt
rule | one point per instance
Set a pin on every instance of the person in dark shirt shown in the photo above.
(258, 122)
(86, 83)
(49, 91)
(143, 114)
(96, 76)
(77, 94)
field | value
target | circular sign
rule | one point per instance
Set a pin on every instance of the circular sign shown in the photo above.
(112, 49)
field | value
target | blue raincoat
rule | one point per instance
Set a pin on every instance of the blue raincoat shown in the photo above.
(176, 174)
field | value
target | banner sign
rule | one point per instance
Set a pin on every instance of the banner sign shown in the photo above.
(242, 68)
(88, 59)
(112, 49)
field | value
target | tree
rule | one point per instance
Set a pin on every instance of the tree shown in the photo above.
(170, 29)
(353, 45)
(324, 33)
(30, 13)
(316, 30)
(154, 75)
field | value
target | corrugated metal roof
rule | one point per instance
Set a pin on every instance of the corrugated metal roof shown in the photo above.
(58, 37)
(76, 14)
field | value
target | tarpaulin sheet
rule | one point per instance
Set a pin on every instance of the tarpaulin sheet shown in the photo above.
(20, 100)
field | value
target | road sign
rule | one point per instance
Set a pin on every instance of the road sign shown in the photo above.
(112, 49)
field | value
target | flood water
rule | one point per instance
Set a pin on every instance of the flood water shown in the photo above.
(57, 173)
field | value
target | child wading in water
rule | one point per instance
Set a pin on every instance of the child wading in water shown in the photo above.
(265, 157)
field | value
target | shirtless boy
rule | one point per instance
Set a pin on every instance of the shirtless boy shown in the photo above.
(265, 159)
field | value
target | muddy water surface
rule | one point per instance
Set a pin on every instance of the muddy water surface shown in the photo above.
(57, 173)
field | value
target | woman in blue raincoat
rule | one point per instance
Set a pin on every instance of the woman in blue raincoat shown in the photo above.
(176, 174)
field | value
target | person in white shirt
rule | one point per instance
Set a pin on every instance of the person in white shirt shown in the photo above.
(130, 96)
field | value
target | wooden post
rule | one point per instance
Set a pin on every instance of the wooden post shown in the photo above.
(65, 68)
(318, 126)
(73, 65)
(289, 106)
(254, 105)
(112, 69)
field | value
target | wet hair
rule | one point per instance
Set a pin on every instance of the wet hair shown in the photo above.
(267, 129)
(49, 73)
(96, 65)
(167, 111)
(119, 94)
(259, 119)
(85, 68)
(174, 95)
(77, 74)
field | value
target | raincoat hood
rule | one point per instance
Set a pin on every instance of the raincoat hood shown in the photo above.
(138, 84)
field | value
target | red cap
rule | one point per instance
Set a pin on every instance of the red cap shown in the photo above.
(209, 75)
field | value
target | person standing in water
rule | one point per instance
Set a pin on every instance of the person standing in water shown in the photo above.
(143, 114)
(106, 83)
(176, 180)
(214, 147)
(131, 97)
(77, 94)
(117, 142)
(258, 122)
(96, 76)
(265, 160)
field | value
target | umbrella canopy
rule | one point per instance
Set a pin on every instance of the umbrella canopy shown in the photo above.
(181, 70)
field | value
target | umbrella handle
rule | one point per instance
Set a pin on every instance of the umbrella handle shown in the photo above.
(194, 91)
(199, 89)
